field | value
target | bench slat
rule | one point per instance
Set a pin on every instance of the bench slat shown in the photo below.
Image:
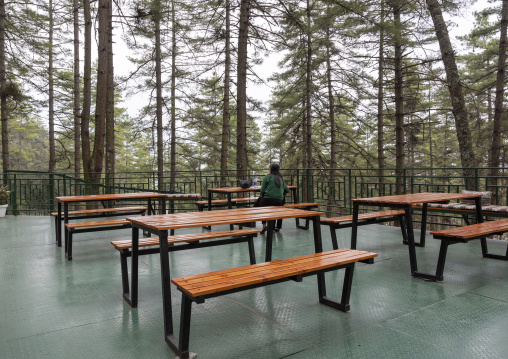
(474, 230)
(363, 216)
(103, 210)
(112, 222)
(191, 237)
(233, 200)
(214, 282)
(300, 205)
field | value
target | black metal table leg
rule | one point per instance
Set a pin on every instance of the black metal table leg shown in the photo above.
(58, 225)
(132, 299)
(411, 240)
(166, 284)
(424, 226)
(354, 226)
(66, 220)
(269, 240)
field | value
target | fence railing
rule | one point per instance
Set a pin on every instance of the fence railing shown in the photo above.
(33, 192)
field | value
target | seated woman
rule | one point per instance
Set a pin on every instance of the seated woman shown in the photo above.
(273, 190)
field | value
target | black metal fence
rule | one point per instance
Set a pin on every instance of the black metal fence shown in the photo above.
(33, 193)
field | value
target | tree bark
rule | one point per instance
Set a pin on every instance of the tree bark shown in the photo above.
(241, 98)
(102, 86)
(226, 110)
(399, 99)
(331, 105)
(495, 152)
(110, 100)
(87, 92)
(76, 94)
(172, 174)
(456, 95)
(3, 94)
(158, 91)
(380, 98)
(51, 99)
(308, 90)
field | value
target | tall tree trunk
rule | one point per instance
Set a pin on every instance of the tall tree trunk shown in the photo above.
(76, 92)
(110, 100)
(380, 98)
(225, 112)
(399, 99)
(456, 95)
(331, 105)
(51, 99)
(102, 87)
(87, 92)
(173, 98)
(495, 152)
(241, 97)
(308, 90)
(3, 94)
(158, 91)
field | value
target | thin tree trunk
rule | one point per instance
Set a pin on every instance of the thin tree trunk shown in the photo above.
(51, 99)
(102, 87)
(110, 100)
(158, 91)
(308, 132)
(173, 98)
(241, 98)
(76, 92)
(399, 100)
(226, 113)
(3, 94)
(87, 92)
(331, 105)
(495, 152)
(456, 95)
(380, 98)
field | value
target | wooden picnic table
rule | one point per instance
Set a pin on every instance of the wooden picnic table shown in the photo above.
(66, 200)
(405, 202)
(161, 225)
(228, 191)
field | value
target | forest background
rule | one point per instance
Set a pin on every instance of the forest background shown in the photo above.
(357, 84)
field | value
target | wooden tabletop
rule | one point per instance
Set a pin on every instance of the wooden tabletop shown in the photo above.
(239, 189)
(112, 196)
(414, 198)
(166, 222)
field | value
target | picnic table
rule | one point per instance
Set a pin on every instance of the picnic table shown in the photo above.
(66, 200)
(161, 225)
(405, 202)
(228, 191)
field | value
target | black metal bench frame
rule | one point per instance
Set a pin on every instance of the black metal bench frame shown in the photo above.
(365, 222)
(181, 345)
(132, 297)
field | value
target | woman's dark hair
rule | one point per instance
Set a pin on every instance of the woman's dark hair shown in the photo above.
(275, 172)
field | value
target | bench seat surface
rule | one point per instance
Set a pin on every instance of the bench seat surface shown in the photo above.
(363, 216)
(219, 281)
(191, 237)
(474, 230)
(299, 205)
(112, 222)
(233, 200)
(104, 210)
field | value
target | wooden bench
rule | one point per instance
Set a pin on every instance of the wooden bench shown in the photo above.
(463, 235)
(80, 227)
(198, 288)
(224, 202)
(189, 241)
(363, 220)
(97, 213)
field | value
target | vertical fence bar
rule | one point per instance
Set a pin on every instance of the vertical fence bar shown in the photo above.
(350, 197)
(14, 199)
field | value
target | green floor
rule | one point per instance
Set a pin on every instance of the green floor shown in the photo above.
(52, 308)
